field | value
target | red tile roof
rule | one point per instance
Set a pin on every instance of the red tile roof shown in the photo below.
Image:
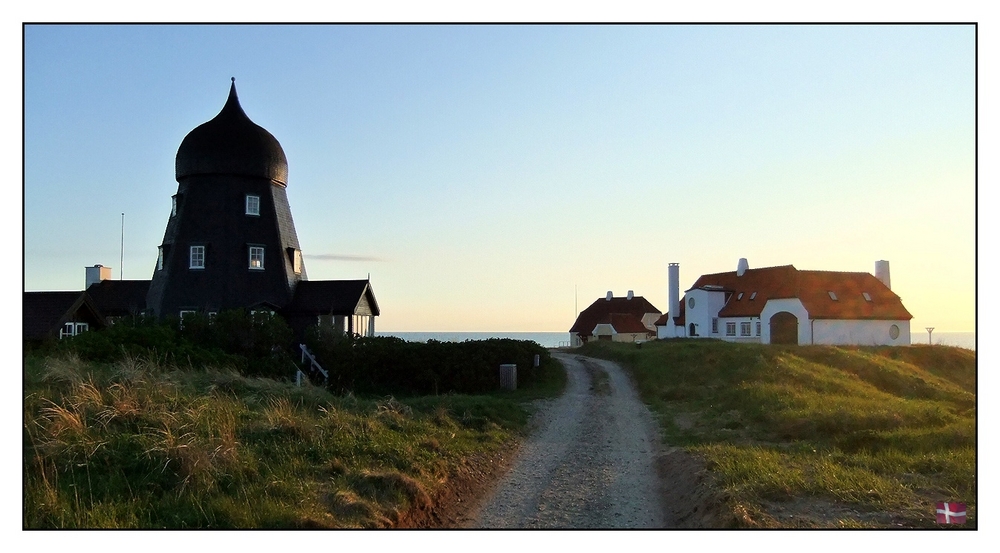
(600, 312)
(624, 323)
(678, 319)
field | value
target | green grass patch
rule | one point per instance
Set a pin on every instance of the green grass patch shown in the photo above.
(139, 443)
(869, 429)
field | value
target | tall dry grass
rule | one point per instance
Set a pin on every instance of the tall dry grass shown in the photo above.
(142, 444)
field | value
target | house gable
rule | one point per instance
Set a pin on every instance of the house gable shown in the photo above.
(44, 313)
(602, 310)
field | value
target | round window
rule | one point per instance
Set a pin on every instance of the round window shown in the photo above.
(690, 303)
(894, 332)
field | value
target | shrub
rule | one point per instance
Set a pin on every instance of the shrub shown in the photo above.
(389, 365)
(254, 344)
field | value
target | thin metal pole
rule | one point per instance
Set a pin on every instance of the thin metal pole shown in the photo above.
(121, 260)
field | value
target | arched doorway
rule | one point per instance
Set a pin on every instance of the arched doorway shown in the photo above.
(784, 328)
(691, 331)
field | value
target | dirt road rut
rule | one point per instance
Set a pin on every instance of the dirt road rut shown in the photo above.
(589, 463)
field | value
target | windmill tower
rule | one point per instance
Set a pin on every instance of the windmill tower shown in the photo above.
(230, 241)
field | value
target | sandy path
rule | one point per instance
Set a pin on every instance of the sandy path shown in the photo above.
(589, 463)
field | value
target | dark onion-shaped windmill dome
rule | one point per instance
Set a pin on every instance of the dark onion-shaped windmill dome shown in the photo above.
(231, 144)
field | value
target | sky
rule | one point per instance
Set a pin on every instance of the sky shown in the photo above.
(503, 177)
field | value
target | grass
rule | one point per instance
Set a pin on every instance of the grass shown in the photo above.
(879, 431)
(141, 444)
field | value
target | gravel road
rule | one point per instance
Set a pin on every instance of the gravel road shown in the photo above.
(589, 462)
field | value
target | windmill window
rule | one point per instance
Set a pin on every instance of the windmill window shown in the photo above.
(253, 205)
(257, 257)
(159, 258)
(197, 260)
(173, 205)
(832, 295)
(296, 260)
(185, 313)
(73, 329)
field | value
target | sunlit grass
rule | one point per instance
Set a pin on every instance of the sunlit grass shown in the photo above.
(873, 429)
(140, 444)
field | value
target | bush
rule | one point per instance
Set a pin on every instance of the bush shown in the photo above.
(253, 344)
(389, 365)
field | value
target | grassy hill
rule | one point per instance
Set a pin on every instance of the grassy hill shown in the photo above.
(139, 443)
(817, 436)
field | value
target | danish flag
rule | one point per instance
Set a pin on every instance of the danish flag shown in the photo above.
(950, 513)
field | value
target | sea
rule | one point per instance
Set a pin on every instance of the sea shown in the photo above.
(545, 339)
(965, 340)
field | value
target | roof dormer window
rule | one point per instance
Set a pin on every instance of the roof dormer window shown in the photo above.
(753, 295)
(867, 296)
(739, 297)
(833, 296)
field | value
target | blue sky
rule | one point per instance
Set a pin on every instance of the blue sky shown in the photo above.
(495, 178)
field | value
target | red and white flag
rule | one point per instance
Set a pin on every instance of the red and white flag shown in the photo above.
(950, 513)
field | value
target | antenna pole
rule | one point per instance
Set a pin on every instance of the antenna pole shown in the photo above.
(121, 259)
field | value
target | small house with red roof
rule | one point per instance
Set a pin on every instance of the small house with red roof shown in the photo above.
(784, 305)
(618, 319)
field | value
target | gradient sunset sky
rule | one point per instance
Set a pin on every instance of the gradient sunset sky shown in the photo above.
(497, 178)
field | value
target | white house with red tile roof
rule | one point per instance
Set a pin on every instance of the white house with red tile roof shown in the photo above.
(783, 305)
(619, 319)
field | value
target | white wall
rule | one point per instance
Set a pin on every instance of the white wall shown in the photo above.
(649, 318)
(793, 306)
(707, 304)
(753, 337)
(608, 330)
(859, 332)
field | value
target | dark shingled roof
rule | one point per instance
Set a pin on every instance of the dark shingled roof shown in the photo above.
(117, 298)
(45, 312)
(231, 144)
(601, 310)
(331, 297)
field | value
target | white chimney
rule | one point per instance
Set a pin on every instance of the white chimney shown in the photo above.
(609, 296)
(673, 290)
(630, 295)
(742, 266)
(882, 272)
(97, 273)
